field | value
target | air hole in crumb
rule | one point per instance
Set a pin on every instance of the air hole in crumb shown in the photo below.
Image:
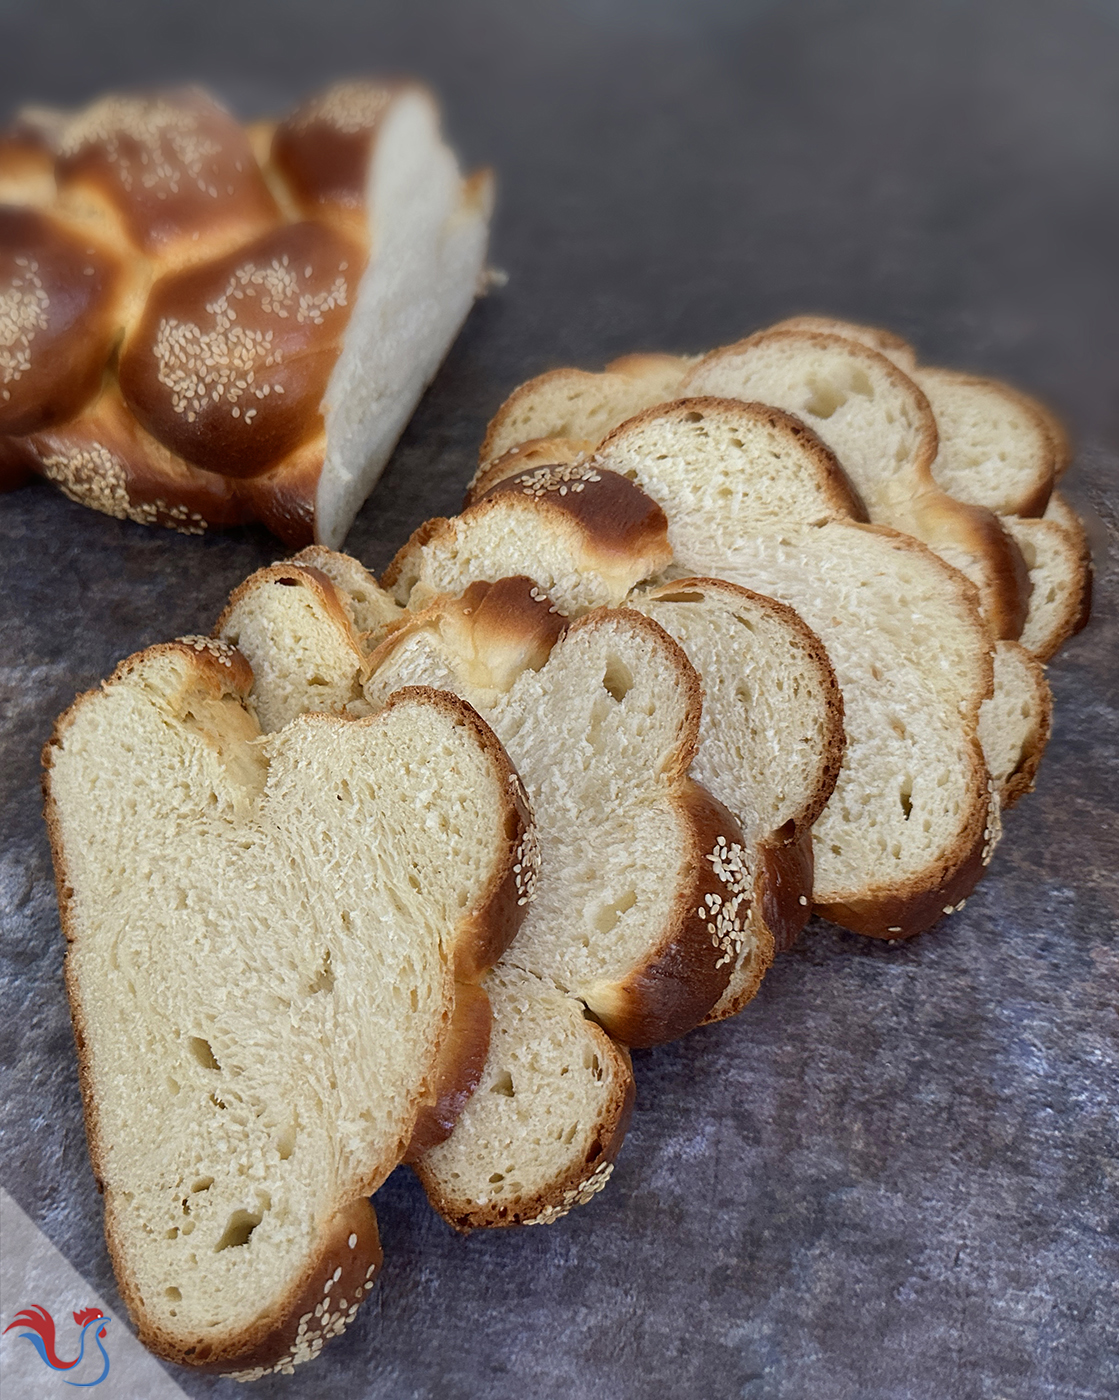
(173, 1294)
(203, 1184)
(503, 1085)
(317, 680)
(693, 417)
(679, 598)
(238, 1229)
(203, 1052)
(287, 582)
(285, 1143)
(617, 679)
(173, 1085)
(497, 1176)
(608, 916)
(905, 796)
(324, 979)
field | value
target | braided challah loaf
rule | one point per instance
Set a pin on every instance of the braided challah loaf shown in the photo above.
(203, 325)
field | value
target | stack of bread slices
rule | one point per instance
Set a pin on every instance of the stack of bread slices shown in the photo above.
(760, 633)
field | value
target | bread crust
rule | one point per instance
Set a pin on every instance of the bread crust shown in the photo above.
(65, 295)
(536, 452)
(323, 1299)
(607, 521)
(578, 1185)
(462, 1058)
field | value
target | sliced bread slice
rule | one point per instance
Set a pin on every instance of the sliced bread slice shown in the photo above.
(882, 430)
(1060, 563)
(995, 447)
(770, 741)
(1014, 722)
(602, 720)
(575, 404)
(541, 1133)
(642, 905)
(263, 946)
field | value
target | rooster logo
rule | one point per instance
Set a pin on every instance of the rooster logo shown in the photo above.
(41, 1337)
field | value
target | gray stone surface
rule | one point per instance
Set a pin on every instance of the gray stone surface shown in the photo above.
(894, 1177)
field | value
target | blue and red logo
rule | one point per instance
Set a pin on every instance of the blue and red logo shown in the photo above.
(41, 1337)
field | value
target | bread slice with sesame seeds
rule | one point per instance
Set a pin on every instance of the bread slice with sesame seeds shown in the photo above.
(264, 941)
(770, 741)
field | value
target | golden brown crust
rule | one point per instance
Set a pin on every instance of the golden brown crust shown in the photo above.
(172, 170)
(613, 527)
(679, 983)
(614, 515)
(578, 1184)
(322, 151)
(105, 460)
(65, 313)
(231, 359)
(495, 630)
(283, 499)
(462, 1059)
(229, 308)
(537, 452)
(783, 886)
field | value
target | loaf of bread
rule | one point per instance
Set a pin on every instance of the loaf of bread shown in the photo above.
(272, 955)
(209, 325)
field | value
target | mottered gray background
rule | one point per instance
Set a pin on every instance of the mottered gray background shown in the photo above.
(894, 1177)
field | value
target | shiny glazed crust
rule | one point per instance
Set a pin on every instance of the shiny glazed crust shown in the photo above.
(225, 263)
(609, 523)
